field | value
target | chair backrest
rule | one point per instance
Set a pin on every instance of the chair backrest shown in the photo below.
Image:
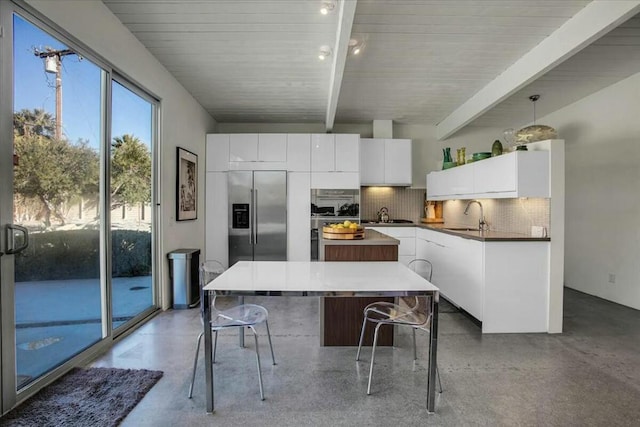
(209, 270)
(424, 268)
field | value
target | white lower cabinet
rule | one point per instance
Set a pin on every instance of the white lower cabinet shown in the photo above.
(504, 284)
(516, 287)
(407, 237)
(457, 268)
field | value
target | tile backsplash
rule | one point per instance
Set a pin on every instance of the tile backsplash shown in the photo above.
(509, 215)
(403, 203)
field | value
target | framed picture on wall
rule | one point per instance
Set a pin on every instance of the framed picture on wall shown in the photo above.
(187, 186)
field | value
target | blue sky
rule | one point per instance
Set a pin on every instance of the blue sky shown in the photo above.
(34, 88)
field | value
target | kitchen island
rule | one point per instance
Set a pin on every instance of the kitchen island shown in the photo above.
(375, 246)
(341, 318)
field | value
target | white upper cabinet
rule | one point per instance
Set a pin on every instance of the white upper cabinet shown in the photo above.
(272, 147)
(253, 147)
(397, 158)
(347, 152)
(299, 152)
(371, 161)
(243, 147)
(515, 174)
(323, 150)
(385, 162)
(217, 154)
(335, 153)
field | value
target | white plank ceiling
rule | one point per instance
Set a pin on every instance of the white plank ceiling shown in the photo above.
(257, 60)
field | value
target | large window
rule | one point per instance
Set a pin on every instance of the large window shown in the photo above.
(82, 198)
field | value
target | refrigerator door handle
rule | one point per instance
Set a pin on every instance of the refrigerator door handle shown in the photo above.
(255, 210)
(251, 216)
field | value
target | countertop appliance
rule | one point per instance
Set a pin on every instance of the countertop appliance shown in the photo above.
(257, 216)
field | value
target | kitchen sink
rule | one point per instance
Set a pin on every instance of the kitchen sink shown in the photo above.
(461, 229)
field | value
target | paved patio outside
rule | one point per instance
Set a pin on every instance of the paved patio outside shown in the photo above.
(57, 319)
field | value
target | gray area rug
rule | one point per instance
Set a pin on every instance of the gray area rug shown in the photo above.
(85, 397)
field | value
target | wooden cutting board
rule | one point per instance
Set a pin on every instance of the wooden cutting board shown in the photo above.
(432, 220)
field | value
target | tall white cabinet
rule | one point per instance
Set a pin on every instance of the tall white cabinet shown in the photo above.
(311, 161)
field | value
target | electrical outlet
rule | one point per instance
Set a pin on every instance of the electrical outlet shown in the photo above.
(612, 278)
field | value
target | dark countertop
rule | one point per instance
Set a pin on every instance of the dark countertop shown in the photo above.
(388, 224)
(485, 236)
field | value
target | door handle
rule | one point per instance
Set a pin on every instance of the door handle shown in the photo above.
(11, 239)
(250, 216)
(255, 210)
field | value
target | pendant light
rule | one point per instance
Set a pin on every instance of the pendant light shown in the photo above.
(534, 132)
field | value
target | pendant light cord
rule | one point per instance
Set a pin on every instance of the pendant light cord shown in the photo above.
(534, 98)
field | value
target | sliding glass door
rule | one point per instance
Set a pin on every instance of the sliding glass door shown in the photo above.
(132, 118)
(76, 204)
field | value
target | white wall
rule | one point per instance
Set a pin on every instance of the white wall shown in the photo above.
(602, 222)
(183, 122)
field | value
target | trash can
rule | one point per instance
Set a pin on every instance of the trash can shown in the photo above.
(183, 272)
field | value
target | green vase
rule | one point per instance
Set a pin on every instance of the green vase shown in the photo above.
(496, 148)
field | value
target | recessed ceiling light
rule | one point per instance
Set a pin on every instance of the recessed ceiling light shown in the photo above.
(325, 52)
(327, 7)
(355, 46)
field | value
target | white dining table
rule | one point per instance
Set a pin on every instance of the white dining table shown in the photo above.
(321, 279)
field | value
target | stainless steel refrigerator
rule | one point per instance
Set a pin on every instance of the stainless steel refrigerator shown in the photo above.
(257, 216)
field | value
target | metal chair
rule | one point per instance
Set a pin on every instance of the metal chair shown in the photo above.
(240, 316)
(416, 316)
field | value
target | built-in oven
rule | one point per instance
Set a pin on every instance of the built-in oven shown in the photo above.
(328, 207)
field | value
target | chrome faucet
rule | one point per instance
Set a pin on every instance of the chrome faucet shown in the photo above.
(482, 224)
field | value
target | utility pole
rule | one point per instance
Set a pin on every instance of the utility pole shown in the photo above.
(53, 64)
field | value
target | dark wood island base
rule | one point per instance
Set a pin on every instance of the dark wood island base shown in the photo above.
(343, 316)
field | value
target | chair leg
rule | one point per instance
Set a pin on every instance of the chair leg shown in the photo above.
(438, 376)
(195, 364)
(273, 358)
(415, 354)
(215, 345)
(364, 324)
(373, 356)
(255, 335)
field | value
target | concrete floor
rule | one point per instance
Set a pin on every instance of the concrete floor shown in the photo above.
(589, 375)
